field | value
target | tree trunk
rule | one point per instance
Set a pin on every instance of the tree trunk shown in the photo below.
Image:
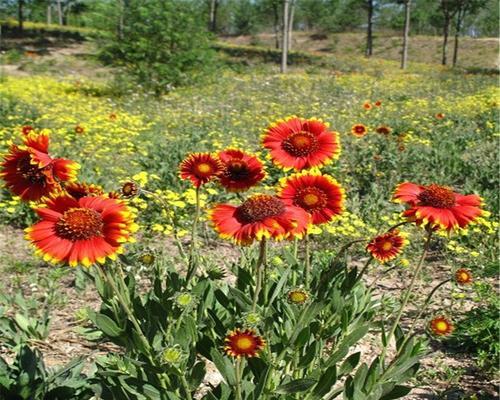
(290, 24)
(284, 47)
(369, 33)
(214, 5)
(276, 24)
(446, 31)
(49, 14)
(460, 17)
(59, 12)
(406, 34)
(20, 15)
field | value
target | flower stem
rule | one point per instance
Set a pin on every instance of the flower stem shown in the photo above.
(367, 264)
(185, 386)
(193, 257)
(408, 293)
(259, 271)
(307, 277)
(238, 371)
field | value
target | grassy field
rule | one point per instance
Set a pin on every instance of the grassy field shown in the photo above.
(443, 129)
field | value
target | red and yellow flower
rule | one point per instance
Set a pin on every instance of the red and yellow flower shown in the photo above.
(359, 130)
(320, 195)
(81, 231)
(441, 326)
(439, 116)
(438, 206)
(26, 129)
(388, 246)
(79, 129)
(383, 130)
(240, 170)
(77, 190)
(378, 103)
(463, 276)
(243, 343)
(261, 216)
(301, 143)
(29, 171)
(200, 168)
(367, 106)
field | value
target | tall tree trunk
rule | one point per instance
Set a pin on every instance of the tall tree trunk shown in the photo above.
(284, 46)
(290, 24)
(276, 24)
(59, 12)
(460, 17)
(49, 14)
(406, 34)
(20, 15)
(369, 32)
(446, 31)
(214, 5)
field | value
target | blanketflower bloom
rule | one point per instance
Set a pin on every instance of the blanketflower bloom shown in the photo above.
(437, 205)
(439, 116)
(26, 129)
(359, 130)
(378, 103)
(386, 247)
(30, 173)
(320, 195)
(77, 190)
(367, 106)
(240, 170)
(83, 231)
(261, 216)
(200, 168)
(130, 189)
(463, 276)
(301, 143)
(441, 326)
(243, 343)
(383, 130)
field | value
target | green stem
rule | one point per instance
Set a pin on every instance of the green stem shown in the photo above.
(259, 271)
(409, 291)
(193, 257)
(367, 264)
(307, 261)
(185, 386)
(238, 371)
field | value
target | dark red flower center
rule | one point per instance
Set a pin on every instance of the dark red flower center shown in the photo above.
(310, 198)
(383, 130)
(79, 224)
(437, 196)
(236, 170)
(359, 129)
(300, 144)
(30, 172)
(260, 207)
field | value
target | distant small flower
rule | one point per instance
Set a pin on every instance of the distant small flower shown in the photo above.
(79, 129)
(130, 189)
(441, 326)
(243, 343)
(463, 276)
(383, 130)
(147, 258)
(113, 117)
(359, 130)
(378, 103)
(301, 143)
(388, 246)
(439, 116)
(297, 296)
(200, 168)
(367, 106)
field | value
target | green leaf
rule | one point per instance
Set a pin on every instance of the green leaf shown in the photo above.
(22, 322)
(396, 393)
(325, 383)
(296, 386)
(224, 366)
(349, 364)
(197, 374)
(107, 325)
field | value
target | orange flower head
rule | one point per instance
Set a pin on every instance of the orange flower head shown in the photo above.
(359, 130)
(26, 129)
(438, 206)
(29, 171)
(383, 130)
(261, 216)
(113, 117)
(439, 116)
(367, 106)
(441, 326)
(243, 343)
(81, 231)
(240, 170)
(378, 103)
(386, 247)
(463, 276)
(200, 168)
(77, 190)
(129, 190)
(301, 143)
(79, 129)
(319, 195)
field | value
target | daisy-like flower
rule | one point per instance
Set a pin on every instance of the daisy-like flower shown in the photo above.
(243, 343)
(301, 143)
(441, 326)
(79, 129)
(386, 247)
(383, 130)
(438, 206)
(83, 231)
(359, 130)
(130, 189)
(439, 116)
(320, 195)
(77, 190)
(200, 168)
(463, 276)
(378, 103)
(367, 106)
(240, 170)
(26, 129)
(30, 173)
(261, 216)
(297, 296)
